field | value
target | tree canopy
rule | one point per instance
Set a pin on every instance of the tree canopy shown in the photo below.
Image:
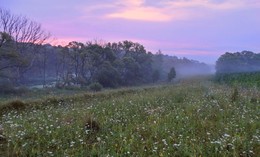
(19, 37)
(245, 61)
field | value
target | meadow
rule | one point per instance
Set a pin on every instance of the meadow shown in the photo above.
(194, 117)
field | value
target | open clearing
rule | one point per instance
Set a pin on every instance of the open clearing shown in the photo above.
(192, 118)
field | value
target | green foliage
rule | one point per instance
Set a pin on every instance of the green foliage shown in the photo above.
(95, 87)
(249, 79)
(131, 73)
(9, 58)
(156, 75)
(112, 65)
(245, 61)
(107, 75)
(171, 74)
(154, 121)
(16, 105)
(5, 39)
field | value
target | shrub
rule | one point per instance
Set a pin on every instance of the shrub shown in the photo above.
(16, 104)
(95, 87)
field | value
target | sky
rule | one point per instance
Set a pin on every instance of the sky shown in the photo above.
(197, 29)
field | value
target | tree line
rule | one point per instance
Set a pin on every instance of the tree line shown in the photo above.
(240, 68)
(26, 58)
(239, 62)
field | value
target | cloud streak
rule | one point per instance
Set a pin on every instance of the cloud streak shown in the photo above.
(142, 13)
(166, 10)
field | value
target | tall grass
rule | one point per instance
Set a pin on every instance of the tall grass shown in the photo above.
(190, 119)
(249, 79)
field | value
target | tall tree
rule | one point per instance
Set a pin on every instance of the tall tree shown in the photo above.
(74, 53)
(171, 74)
(25, 35)
(9, 58)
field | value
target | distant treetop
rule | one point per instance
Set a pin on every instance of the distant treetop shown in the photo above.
(245, 61)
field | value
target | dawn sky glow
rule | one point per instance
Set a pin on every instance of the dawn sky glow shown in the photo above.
(197, 29)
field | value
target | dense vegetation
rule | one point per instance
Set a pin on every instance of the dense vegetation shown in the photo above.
(245, 61)
(194, 118)
(240, 68)
(249, 79)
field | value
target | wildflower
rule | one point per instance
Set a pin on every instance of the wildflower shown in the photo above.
(164, 142)
(226, 135)
(216, 142)
(176, 145)
(72, 143)
(24, 145)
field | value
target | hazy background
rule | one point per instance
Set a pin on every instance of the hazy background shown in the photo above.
(197, 29)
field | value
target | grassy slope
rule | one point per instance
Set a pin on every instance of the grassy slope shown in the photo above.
(192, 118)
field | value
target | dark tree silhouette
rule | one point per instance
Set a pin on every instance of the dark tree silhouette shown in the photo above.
(171, 74)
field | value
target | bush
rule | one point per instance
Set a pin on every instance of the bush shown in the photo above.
(15, 105)
(95, 87)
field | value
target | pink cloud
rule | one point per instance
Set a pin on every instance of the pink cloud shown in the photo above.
(173, 10)
(142, 13)
(137, 10)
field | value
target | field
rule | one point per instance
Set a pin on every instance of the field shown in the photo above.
(191, 118)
